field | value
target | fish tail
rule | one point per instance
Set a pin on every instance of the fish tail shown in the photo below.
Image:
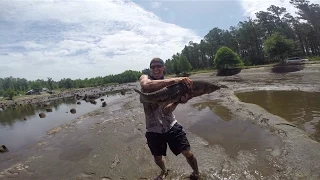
(136, 90)
(142, 96)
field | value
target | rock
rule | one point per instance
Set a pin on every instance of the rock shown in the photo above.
(73, 111)
(79, 102)
(104, 104)
(42, 115)
(102, 99)
(93, 102)
(49, 110)
(46, 104)
(25, 118)
(3, 149)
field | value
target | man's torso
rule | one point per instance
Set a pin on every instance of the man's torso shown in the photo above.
(156, 120)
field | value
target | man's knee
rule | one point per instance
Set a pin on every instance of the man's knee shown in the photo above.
(187, 153)
(157, 158)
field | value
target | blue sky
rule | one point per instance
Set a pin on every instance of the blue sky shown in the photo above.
(200, 16)
(89, 38)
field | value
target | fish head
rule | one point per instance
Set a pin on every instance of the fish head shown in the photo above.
(202, 87)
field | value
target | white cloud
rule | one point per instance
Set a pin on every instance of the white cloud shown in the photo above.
(250, 7)
(79, 39)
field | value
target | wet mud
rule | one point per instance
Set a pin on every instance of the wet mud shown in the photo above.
(230, 138)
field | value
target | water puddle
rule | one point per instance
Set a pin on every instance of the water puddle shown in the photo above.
(218, 126)
(297, 107)
(22, 126)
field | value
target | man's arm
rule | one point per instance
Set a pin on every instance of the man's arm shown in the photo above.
(149, 85)
(171, 107)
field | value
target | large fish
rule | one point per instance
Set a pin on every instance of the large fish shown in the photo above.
(173, 93)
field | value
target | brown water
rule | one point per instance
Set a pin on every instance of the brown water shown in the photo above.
(216, 125)
(297, 107)
(15, 132)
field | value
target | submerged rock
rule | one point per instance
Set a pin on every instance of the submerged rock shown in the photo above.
(73, 111)
(42, 115)
(3, 149)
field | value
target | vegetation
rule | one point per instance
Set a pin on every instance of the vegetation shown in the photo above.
(277, 47)
(11, 86)
(273, 27)
(226, 58)
(272, 36)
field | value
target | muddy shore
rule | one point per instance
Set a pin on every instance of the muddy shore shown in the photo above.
(109, 143)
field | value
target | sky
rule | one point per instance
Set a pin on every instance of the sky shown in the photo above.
(90, 38)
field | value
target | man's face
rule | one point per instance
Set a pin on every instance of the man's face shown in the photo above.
(157, 70)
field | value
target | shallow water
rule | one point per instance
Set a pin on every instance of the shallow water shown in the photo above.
(216, 125)
(15, 132)
(300, 108)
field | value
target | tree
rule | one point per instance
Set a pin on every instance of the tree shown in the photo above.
(185, 66)
(10, 93)
(276, 46)
(50, 83)
(226, 58)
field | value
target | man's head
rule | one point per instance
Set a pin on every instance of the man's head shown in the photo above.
(157, 68)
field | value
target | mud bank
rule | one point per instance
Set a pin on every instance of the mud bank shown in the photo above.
(109, 143)
(44, 99)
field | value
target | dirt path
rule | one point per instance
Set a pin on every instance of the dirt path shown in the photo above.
(110, 144)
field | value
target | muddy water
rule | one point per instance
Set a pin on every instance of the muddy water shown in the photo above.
(300, 108)
(15, 132)
(217, 126)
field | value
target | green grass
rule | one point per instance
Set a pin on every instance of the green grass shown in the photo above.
(313, 58)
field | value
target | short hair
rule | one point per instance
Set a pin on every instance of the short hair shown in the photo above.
(156, 59)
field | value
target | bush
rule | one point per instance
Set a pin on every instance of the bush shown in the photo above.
(278, 47)
(225, 58)
(10, 93)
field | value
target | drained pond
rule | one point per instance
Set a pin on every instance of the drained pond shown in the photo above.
(300, 108)
(22, 126)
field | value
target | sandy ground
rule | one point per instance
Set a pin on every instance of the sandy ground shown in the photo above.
(110, 144)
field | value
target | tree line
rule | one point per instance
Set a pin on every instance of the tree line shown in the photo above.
(11, 86)
(257, 41)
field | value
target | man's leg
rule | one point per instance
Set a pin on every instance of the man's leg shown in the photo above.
(178, 143)
(158, 148)
(161, 163)
(192, 161)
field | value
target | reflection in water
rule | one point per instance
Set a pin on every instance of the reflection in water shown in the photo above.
(218, 126)
(300, 108)
(15, 132)
(232, 134)
(11, 115)
(223, 112)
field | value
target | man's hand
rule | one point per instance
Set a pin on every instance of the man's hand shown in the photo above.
(185, 80)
